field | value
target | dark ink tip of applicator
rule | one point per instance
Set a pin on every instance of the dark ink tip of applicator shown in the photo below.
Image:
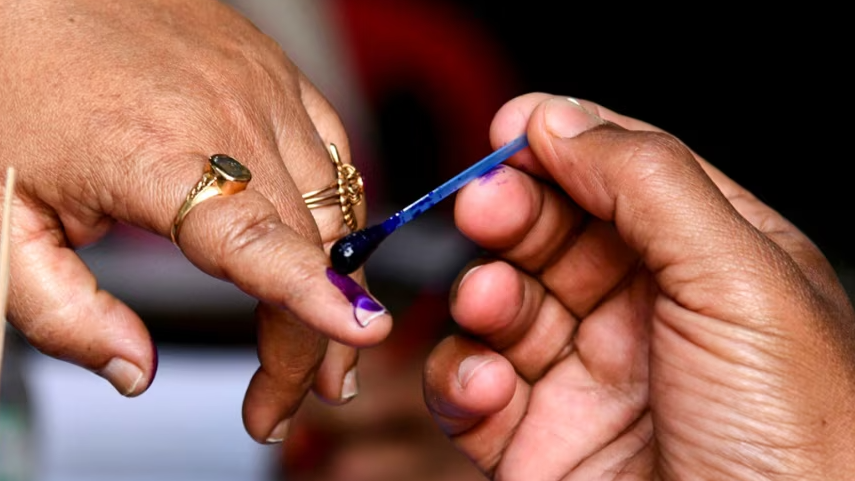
(351, 251)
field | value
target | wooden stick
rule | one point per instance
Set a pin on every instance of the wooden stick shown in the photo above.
(4, 256)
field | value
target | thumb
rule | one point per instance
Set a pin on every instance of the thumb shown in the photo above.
(664, 205)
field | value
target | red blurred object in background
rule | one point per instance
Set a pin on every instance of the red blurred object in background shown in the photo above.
(435, 51)
(448, 61)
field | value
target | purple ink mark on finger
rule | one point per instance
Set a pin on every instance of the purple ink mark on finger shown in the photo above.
(154, 363)
(365, 307)
(488, 176)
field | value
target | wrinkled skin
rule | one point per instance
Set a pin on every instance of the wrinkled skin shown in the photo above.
(110, 111)
(643, 317)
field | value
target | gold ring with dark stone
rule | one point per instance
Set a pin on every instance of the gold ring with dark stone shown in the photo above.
(222, 176)
(346, 191)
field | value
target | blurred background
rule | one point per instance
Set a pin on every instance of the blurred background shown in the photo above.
(416, 83)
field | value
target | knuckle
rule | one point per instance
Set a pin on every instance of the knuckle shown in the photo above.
(251, 235)
(299, 280)
(301, 274)
(138, 126)
(249, 231)
(296, 369)
(87, 199)
(137, 138)
(656, 162)
(292, 364)
(653, 151)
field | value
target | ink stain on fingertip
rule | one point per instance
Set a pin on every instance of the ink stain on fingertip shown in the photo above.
(155, 362)
(490, 174)
(365, 307)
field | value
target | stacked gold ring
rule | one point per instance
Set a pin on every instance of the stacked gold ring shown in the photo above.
(226, 176)
(346, 191)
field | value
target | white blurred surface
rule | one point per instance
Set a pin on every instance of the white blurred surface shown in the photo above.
(186, 427)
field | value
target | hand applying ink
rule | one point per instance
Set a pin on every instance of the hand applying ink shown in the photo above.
(645, 317)
(350, 252)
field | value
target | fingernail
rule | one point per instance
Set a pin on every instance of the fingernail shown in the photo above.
(350, 385)
(365, 307)
(123, 375)
(579, 104)
(279, 432)
(470, 366)
(468, 273)
(566, 118)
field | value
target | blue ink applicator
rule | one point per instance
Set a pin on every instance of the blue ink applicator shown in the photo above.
(352, 250)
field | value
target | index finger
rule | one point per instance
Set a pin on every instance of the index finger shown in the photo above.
(243, 239)
(513, 118)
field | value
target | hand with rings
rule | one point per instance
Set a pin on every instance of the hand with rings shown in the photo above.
(181, 118)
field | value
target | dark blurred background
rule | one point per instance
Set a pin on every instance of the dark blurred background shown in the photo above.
(417, 83)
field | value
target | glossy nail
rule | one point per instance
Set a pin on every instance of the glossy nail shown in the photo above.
(468, 273)
(470, 366)
(579, 104)
(279, 432)
(123, 375)
(566, 118)
(365, 307)
(350, 385)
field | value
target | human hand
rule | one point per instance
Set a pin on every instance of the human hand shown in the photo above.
(110, 112)
(385, 434)
(644, 318)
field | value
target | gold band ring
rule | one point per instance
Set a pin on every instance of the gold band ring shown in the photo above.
(346, 191)
(222, 176)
